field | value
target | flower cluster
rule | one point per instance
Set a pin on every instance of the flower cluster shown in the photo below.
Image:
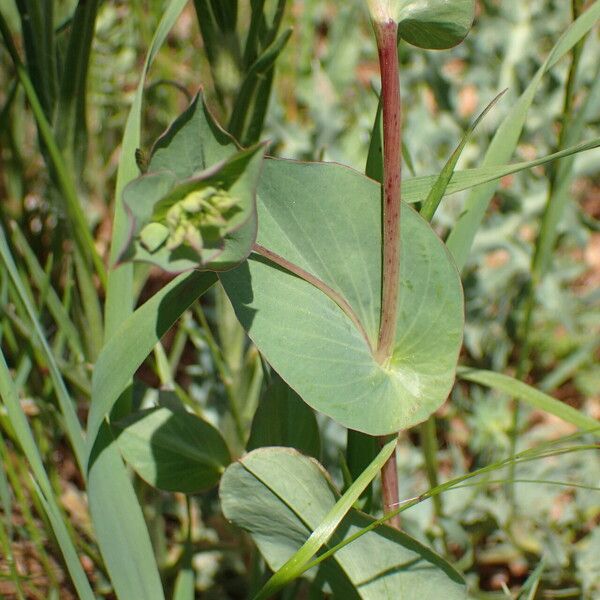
(200, 218)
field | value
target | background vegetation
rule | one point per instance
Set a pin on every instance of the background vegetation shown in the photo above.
(536, 316)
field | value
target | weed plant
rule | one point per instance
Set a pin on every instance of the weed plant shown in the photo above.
(228, 374)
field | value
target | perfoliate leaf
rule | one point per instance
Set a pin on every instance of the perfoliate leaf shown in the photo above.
(326, 220)
(173, 450)
(195, 205)
(265, 493)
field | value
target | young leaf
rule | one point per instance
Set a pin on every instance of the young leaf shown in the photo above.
(282, 419)
(265, 494)
(201, 190)
(326, 220)
(173, 450)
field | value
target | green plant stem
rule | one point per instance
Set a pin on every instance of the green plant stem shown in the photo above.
(429, 445)
(541, 250)
(224, 374)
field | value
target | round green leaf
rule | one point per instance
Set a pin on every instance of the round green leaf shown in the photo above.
(326, 219)
(173, 450)
(266, 494)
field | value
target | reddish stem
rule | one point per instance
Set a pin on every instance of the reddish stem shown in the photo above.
(389, 486)
(386, 34)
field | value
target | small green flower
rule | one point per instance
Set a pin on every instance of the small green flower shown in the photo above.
(200, 218)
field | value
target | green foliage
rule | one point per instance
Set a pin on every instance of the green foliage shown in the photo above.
(283, 419)
(264, 494)
(173, 450)
(178, 399)
(435, 24)
(325, 219)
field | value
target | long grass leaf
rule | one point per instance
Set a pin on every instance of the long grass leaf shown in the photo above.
(119, 523)
(128, 348)
(295, 566)
(20, 425)
(535, 398)
(65, 181)
(559, 196)
(416, 189)
(70, 122)
(67, 408)
(119, 292)
(120, 528)
(247, 96)
(438, 189)
(37, 27)
(122, 534)
(506, 138)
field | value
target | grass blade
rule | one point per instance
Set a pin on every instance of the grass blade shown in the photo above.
(18, 421)
(79, 227)
(119, 291)
(559, 194)
(55, 306)
(37, 26)
(438, 189)
(245, 103)
(530, 587)
(73, 427)
(535, 398)
(122, 534)
(128, 348)
(506, 138)
(416, 189)
(70, 122)
(119, 523)
(296, 565)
